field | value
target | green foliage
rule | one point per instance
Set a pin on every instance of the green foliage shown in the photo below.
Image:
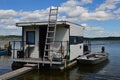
(103, 38)
(10, 37)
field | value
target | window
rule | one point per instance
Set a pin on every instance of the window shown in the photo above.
(30, 37)
(80, 39)
(76, 39)
(72, 40)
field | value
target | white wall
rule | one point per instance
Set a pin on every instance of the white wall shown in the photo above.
(62, 34)
(75, 30)
(76, 49)
(35, 52)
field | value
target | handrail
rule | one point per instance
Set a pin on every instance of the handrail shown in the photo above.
(59, 48)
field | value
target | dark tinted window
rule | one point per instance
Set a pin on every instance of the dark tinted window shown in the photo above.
(30, 37)
(76, 39)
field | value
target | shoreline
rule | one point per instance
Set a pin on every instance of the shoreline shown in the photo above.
(18, 37)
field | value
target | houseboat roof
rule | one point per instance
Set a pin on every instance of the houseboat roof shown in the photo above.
(21, 24)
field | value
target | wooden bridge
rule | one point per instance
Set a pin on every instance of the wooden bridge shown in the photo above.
(9, 75)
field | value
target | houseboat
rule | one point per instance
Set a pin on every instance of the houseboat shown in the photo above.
(54, 43)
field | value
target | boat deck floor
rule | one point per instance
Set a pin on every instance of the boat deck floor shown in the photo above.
(36, 60)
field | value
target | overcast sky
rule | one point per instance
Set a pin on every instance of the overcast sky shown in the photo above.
(100, 18)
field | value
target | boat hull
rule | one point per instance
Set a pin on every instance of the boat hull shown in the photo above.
(3, 52)
(93, 60)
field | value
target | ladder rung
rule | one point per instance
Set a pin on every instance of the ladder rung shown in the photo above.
(52, 14)
(50, 31)
(48, 44)
(47, 49)
(49, 37)
(45, 56)
(51, 26)
(52, 21)
(54, 9)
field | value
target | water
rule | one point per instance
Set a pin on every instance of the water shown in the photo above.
(5, 61)
(5, 64)
(108, 70)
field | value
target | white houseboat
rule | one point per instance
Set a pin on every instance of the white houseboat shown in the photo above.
(57, 46)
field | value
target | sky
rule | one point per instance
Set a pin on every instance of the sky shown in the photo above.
(101, 18)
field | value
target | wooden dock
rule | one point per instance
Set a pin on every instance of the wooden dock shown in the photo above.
(34, 60)
(27, 68)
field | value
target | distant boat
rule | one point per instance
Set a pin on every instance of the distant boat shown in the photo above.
(3, 51)
(93, 58)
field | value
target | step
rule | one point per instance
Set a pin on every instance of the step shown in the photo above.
(51, 26)
(47, 49)
(54, 9)
(50, 31)
(53, 14)
(48, 44)
(49, 37)
(45, 56)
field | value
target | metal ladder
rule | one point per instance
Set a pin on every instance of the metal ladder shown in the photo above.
(51, 30)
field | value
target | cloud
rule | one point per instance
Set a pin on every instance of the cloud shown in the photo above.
(71, 10)
(92, 28)
(9, 21)
(117, 13)
(108, 4)
(85, 2)
(12, 27)
(10, 30)
(37, 15)
(98, 16)
(91, 31)
(70, 3)
(74, 11)
(5, 14)
(73, 3)
(17, 31)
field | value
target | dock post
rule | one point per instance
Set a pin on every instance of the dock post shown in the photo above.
(13, 49)
(43, 62)
(50, 63)
(65, 65)
(38, 66)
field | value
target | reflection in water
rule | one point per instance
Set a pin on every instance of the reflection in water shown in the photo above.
(108, 70)
(5, 64)
(92, 68)
(44, 75)
(75, 73)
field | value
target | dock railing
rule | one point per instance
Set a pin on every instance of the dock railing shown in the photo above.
(57, 52)
(87, 46)
(17, 47)
(20, 49)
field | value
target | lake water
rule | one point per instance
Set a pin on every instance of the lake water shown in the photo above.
(108, 70)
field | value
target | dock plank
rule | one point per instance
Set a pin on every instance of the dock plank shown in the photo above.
(17, 72)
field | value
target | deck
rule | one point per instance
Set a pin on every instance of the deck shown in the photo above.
(17, 72)
(36, 60)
